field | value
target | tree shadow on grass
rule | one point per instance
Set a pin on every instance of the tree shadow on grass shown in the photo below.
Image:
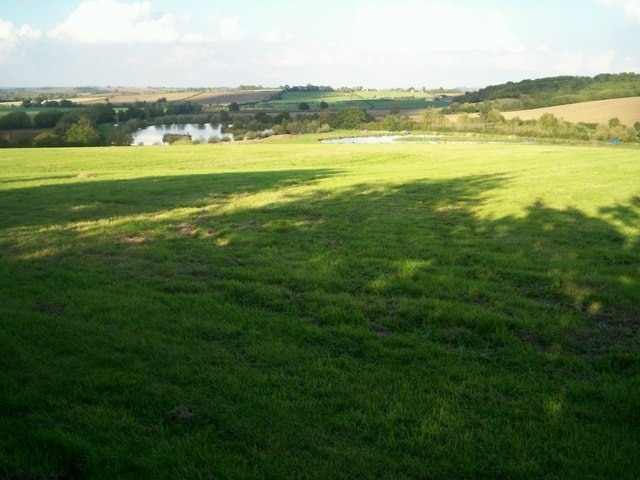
(413, 301)
(418, 257)
(90, 198)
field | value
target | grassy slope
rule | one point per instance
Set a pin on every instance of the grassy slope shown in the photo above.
(320, 311)
(627, 110)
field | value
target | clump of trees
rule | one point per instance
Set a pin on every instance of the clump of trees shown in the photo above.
(75, 128)
(79, 127)
(262, 124)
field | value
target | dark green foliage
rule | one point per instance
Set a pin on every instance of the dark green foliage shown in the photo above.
(15, 121)
(550, 91)
(47, 139)
(351, 118)
(121, 137)
(101, 113)
(83, 134)
(47, 118)
(171, 138)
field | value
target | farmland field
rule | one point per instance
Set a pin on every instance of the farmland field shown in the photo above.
(302, 310)
(205, 96)
(627, 110)
(383, 100)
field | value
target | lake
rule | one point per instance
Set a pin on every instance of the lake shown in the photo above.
(153, 135)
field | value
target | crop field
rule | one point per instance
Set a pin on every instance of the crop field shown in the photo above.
(303, 310)
(600, 111)
(206, 97)
(383, 100)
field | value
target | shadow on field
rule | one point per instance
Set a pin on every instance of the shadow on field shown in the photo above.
(416, 256)
(399, 256)
(90, 198)
(381, 329)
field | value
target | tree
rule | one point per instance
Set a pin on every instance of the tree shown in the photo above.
(304, 106)
(493, 116)
(120, 137)
(351, 118)
(47, 119)
(390, 123)
(83, 133)
(323, 105)
(234, 107)
(100, 113)
(614, 122)
(15, 121)
(224, 116)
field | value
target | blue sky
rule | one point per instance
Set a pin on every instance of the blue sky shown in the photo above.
(371, 43)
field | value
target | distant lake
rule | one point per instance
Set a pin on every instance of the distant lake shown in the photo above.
(153, 135)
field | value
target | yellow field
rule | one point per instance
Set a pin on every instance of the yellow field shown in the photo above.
(600, 111)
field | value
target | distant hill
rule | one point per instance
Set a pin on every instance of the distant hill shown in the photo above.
(551, 91)
(627, 110)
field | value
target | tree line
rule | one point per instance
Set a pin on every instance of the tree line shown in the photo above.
(80, 127)
(550, 91)
(491, 121)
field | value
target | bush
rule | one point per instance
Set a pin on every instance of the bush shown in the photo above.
(47, 139)
(174, 139)
(120, 136)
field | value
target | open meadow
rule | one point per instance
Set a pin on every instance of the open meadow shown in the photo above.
(304, 310)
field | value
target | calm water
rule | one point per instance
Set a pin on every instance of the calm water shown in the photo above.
(385, 139)
(153, 135)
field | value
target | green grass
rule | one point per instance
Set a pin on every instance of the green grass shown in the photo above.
(299, 310)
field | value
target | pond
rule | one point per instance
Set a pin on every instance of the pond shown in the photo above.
(386, 139)
(153, 135)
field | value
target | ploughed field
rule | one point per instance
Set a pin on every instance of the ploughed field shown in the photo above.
(302, 310)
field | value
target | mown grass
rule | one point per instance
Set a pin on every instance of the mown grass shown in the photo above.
(292, 310)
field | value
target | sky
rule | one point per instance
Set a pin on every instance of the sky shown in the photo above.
(369, 43)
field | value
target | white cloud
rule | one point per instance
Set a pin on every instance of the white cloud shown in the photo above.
(432, 27)
(196, 38)
(602, 63)
(315, 56)
(276, 36)
(630, 7)
(230, 30)
(13, 38)
(113, 22)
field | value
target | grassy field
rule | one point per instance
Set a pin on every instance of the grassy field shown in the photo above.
(627, 110)
(301, 310)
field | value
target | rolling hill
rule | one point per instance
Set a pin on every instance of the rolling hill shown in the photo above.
(627, 110)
